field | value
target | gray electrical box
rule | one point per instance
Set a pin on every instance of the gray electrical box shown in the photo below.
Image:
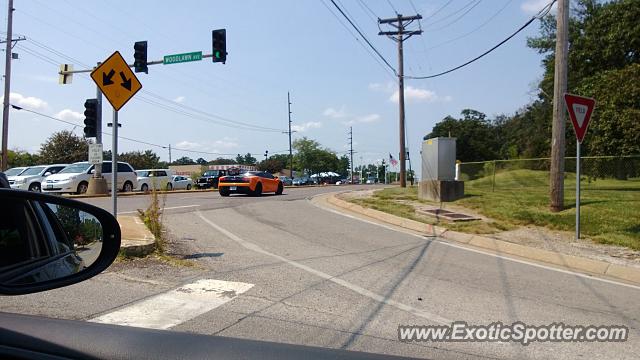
(439, 159)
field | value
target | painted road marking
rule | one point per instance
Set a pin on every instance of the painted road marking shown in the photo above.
(167, 208)
(174, 307)
(353, 287)
(461, 247)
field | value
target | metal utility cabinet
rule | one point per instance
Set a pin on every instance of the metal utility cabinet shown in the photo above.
(439, 171)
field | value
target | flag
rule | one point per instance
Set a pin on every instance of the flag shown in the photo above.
(393, 161)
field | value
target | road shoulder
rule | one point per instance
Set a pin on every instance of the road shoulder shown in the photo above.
(570, 262)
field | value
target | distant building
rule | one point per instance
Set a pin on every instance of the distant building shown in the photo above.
(232, 166)
(187, 170)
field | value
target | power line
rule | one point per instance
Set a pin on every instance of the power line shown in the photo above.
(454, 13)
(122, 137)
(366, 7)
(474, 30)
(543, 12)
(364, 37)
(392, 7)
(439, 10)
(459, 17)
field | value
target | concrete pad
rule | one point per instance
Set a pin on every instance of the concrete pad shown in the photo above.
(137, 240)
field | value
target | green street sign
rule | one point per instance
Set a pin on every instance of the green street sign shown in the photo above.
(180, 58)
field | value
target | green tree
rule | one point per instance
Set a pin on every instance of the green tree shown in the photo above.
(270, 165)
(201, 161)
(22, 158)
(249, 160)
(222, 161)
(343, 166)
(185, 160)
(140, 160)
(476, 137)
(64, 147)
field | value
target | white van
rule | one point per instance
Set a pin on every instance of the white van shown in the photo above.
(75, 178)
(156, 179)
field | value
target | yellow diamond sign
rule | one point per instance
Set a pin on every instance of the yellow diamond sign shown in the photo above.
(116, 80)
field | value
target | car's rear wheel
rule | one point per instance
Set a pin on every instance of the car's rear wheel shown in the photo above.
(188, 186)
(128, 187)
(35, 187)
(144, 188)
(258, 190)
(280, 188)
(224, 191)
(82, 187)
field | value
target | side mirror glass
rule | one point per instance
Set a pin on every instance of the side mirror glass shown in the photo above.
(47, 173)
(47, 242)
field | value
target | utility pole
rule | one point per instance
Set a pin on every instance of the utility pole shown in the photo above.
(289, 132)
(410, 171)
(556, 182)
(169, 154)
(399, 37)
(7, 88)
(351, 150)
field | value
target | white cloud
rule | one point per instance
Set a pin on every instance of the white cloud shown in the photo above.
(412, 94)
(306, 126)
(335, 114)
(363, 119)
(388, 87)
(30, 102)
(226, 143)
(179, 99)
(69, 115)
(188, 145)
(534, 6)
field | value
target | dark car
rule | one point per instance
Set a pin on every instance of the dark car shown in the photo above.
(209, 179)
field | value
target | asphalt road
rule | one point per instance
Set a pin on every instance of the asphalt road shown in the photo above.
(282, 269)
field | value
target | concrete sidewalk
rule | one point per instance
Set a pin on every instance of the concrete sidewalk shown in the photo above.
(137, 240)
(571, 262)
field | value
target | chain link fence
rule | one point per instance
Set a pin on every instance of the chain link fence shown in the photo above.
(596, 171)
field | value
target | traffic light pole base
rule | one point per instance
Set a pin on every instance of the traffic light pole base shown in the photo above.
(97, 186)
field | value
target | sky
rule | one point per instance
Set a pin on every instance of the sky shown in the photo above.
(304, 47)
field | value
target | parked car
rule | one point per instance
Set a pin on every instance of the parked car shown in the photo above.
(287, 181)
(372, 180)
(182, 182)
(156, 179)
(31, 178)
(14, 171)
(75, 178)
(251, 183)
(209, 179)
(303, 181)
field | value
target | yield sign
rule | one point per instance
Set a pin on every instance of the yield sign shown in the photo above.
(580, 110)
(116, 80)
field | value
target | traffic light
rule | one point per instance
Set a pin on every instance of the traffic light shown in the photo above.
(219, 42)
(140, 57)
(91, 118)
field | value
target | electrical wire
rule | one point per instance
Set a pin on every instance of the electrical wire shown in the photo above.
(392, 7)
(474, 30)
(364, 37)
(122, 137)
(542, 13)
(454, 13)
(458, 18)
(439, 10)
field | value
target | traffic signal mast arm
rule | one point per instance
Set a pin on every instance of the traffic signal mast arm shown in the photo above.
(158, 62)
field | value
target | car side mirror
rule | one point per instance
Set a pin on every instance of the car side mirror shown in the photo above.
(47, 173)
(47, 242)
(92, 171)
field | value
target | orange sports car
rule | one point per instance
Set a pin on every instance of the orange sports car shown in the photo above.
(253, 183)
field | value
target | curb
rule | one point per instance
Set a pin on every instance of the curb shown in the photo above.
(137, 240)
(577, 263)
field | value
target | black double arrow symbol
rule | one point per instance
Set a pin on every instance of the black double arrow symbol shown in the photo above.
(106, 79)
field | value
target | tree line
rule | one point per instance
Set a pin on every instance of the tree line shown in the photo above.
(604, 63)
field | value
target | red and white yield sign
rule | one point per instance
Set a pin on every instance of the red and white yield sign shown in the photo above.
(580, 110)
